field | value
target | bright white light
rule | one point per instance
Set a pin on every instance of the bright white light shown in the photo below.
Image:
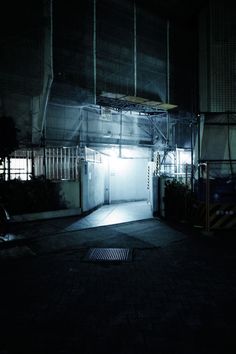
(19, 168)
(134, 114)
(117, 165)
(184, 156)
(113, 152)
(128, 153)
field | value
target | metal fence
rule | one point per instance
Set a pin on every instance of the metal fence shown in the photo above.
(54, 163)
(57, 163)
(215, 193)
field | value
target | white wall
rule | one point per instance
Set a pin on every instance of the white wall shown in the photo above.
(92, 181)
(128, 179)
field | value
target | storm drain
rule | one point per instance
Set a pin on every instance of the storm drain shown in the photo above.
(109, 255)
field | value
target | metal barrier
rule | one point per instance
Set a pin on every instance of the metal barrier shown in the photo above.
(215, 195)
(54, 163)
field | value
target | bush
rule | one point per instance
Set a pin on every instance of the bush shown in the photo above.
(37, 195)
(177, 201)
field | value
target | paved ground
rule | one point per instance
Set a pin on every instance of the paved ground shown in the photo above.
(177, 295)
(105, 215)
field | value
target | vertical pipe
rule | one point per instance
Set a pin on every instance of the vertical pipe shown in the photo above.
(48, 62)
(120, 145)
(135, 49)
(94, 52)
(168, 61)
(168, 78)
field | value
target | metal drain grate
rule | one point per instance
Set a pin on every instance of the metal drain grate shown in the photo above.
(108, 254)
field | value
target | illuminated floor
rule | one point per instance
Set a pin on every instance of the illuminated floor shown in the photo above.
(114, 214)
(106, 215)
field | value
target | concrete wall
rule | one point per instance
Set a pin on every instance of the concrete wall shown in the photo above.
(70, 193)
(128, 180)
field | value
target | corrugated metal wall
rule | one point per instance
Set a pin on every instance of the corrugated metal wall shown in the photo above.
(76, 46)
(217, 50)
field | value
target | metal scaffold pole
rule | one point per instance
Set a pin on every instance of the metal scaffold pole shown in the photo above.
(95, 51)
(135, 49)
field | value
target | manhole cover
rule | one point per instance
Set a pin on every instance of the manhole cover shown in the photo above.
(108, 254)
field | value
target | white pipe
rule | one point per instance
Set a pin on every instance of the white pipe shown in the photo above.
(120, 144)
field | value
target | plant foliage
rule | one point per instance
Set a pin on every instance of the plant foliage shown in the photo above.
(8, 136)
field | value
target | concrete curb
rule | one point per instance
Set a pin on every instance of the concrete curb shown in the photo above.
(45, 215)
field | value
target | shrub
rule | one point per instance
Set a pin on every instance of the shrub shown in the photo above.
(36, 195)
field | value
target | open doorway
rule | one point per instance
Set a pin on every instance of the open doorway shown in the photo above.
(120, 185)
(127, 180)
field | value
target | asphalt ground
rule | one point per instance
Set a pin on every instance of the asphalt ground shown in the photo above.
(176, 294)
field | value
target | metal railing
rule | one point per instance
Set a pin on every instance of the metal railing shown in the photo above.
(54, 163)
